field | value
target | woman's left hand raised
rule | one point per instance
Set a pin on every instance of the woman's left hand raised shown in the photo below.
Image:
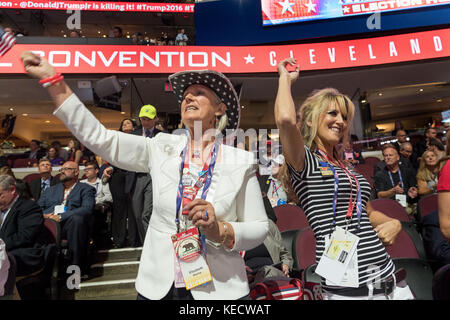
(203, 216)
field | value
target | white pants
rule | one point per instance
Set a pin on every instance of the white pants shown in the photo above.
(400, 292)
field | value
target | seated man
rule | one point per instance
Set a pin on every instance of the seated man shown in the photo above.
(36, 152)
(269, 259)
(21, 224)
(437, 248)
(404, 162)
(396, 182)
(407, 153)
(103, 196)
(38, 186)
(71, 203)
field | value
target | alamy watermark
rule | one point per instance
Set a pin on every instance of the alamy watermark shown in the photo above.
(263, 143)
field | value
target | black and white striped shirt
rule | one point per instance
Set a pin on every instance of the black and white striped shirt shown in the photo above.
(316, 193)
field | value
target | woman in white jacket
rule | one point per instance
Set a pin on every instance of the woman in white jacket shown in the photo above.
(198, 182)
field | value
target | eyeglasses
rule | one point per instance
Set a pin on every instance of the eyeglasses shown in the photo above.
(66, 169)
(89, 169)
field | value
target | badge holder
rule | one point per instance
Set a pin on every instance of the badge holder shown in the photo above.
(191, 268)
(59, 209)
(337, 255)
(401, 198)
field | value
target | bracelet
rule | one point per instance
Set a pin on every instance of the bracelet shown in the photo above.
(52, 80)
(225, 231)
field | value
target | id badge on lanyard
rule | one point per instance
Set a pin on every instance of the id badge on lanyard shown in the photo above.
(339, 262)
(401, 198)
(191, 269)
(340, 251)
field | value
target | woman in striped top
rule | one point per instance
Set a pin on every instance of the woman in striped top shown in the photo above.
(319, 179)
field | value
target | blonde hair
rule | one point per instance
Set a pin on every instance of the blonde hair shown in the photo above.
(318, 102)
(6, 170)
(308, 120)
(423, 173)
(222, 123)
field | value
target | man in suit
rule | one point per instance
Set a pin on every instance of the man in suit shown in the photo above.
(139, 185)
(36, 152)
(396, 182)
(21, 225)
(38, 186)
(103, 200)
(401, 138)
(406, 154)
(71, 203)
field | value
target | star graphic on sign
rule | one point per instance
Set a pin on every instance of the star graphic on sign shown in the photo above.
(249, 59)
(311, 6)
(287, 6)
(346, 9)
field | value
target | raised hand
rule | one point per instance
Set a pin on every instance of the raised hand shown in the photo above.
(36, 66)
(283, 72)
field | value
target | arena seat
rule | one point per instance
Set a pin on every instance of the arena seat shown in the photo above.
(371, 160)
(366, 170)
(427, 205)
(32, 176)
(391, 208)
(419, 276)
(441, 283)
(403, 247)
(306, 248)
(290, 217)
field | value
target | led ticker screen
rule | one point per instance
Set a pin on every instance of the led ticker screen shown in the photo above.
(290, 11)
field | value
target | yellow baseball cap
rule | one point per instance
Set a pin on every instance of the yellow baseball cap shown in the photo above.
(148, 111)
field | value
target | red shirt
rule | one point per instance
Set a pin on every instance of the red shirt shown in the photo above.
(444, 178)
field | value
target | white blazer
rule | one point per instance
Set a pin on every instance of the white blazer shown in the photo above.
(234, 193)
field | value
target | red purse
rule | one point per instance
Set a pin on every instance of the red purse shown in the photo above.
(278, 288)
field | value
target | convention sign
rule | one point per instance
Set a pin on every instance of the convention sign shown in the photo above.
(131, 59)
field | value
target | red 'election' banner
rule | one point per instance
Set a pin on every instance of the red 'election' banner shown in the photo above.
(169, 59)
(97, 6)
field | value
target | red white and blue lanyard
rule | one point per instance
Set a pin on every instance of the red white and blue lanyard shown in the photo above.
(204, 180)
(351, 204)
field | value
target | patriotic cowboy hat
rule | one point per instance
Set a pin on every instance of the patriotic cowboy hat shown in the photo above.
(217, 82)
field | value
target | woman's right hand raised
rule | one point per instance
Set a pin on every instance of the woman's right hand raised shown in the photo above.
(36, 66)
(283, 72)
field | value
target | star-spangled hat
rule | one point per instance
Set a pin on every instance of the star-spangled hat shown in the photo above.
(217, 82)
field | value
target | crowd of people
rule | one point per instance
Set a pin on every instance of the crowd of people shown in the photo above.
(55, 152)
(165, 39)
(198, 206)
(178, 38)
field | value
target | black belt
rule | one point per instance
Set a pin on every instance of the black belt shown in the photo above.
(385, 286)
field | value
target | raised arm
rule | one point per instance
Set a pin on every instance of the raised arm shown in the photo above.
(123, 150)
(40, 68)
(286, 116)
